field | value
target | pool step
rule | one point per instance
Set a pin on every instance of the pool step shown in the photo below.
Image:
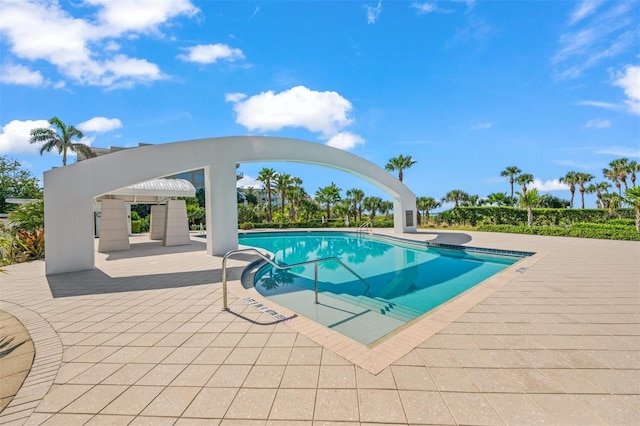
(381, 306)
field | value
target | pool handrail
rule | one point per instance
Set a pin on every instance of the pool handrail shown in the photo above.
(366, 225)
(267, 259)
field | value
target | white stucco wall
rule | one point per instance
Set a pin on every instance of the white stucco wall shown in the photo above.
(69, 190)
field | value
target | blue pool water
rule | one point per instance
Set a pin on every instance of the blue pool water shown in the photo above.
(400, 280)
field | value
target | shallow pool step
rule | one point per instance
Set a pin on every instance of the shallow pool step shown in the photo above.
(381, 306)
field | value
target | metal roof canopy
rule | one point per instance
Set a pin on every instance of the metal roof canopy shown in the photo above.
(152, 191)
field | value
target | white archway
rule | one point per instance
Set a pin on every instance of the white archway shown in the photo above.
(69, 191)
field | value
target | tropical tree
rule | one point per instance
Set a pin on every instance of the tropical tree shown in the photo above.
(632, 197)
(425, 204)
(372, 205)
(329, 195)
(598, 188)
(282, 183)
(511, 172)
(400, 163)
(456, 196)
(570, 179)
(16, 183)
(550, 202)
(581, 179)
(474, 201)
(612, 175)
(524, 179)
(296, 194)
(634, 167)
(499, 199)
(618, 172)
(356, 196)
(266, 176)
(611, 200)
(528, 200)
(62, 141)
(385, 207)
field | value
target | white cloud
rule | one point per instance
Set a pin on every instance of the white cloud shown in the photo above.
(549, 185)
(373, 12)
(15, 136)
(424, 7)
(582, 10)
(620, 151)
(486, 125)
(249, 182)
(598, 123)
(234, 97)
(99, 125)
(598, 104)
(629, 80)
(211, 53)
(20, 75)
(85, 50)
(345, 141)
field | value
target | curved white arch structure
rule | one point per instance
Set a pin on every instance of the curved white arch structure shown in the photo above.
(69, 191)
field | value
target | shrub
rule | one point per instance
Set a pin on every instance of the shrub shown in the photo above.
(599, 231)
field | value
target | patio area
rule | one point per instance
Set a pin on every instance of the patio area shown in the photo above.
(143, 339)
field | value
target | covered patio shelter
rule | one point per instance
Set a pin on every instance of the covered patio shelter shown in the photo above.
(69, 191)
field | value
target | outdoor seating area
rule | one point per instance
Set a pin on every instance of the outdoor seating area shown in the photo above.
(143, 339)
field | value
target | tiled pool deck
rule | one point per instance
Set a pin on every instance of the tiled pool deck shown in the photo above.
(143, 339)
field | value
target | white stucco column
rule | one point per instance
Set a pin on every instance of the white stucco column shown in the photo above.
(405, 215)
(221, 205)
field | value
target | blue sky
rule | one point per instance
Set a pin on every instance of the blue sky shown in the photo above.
(466, 88)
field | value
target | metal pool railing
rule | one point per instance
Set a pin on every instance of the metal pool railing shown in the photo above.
(275, 265)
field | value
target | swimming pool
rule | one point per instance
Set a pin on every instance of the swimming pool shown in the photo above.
(391, 281)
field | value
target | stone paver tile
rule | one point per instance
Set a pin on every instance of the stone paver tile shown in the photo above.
(274, 356)
(95, 354)
(229, 376)
(471, 408)
(382, 380)
(161, 374)
(573, 381)
(616, 381)
(212, 356)
(264, 376)
(566, 409)
(128, 374)
(337, 377)
(59, 396)
(133, 400)
(253, 340)
(305, 356)
(380, 406)
(293, 404)
(182, 356)
(95, 374)
(579, 359)
(110, 420)
(437, 358)
(452, 379)
(492, 380)
(337, 405)
(544, 359)
(252, 404)
(200, 340)
(532, 381)
(155, 421)
(425, 407)
(517, 409)
(211, 403)
(171, 402)
(281, 340)
(67, 419)
(331, 358)
(195, 375)
(125, 354)
(300, 376)
(246, 356)
(197, 422)
(410, 377)
(94, 400)
(69, 370)
(228, 340)
(613, 409)
(153, 355)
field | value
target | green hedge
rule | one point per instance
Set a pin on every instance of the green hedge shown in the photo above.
(377, 223)
(579, 230)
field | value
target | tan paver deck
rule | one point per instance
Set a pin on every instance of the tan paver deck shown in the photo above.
(142, 339)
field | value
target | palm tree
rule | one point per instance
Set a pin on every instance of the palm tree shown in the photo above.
(456, 196)
(425, 204)
(328, 195)
(399, 163)
(61, 141)
(356, 195)
(372, 205)
(498, 199)
(611, 201)
(581, 179)
(598, 188)
(282, 183)
(385, 207)
(511, 172)
(570, 179)
(524, 179)
(634, 167)
(296, 194)
(266, 176)
(528, 200)
(621, 168)
(612, 175)
(632, 197)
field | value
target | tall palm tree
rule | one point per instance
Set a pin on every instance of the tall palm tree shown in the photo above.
(529, 200)
(62, 141)
(611, 200)
(356, 195)
(400, 163)
(524, 179)
(328, 196)
(282, 183)
(511, 172)
(581, 179)
(612, 175)
(296, 194)
(634, 167)
(570, 179)
(498, 199)
(266, 176)
(621, 169)
(456, 196)
(632, 197)
(425, 204)
(372, 205)
(598, 188)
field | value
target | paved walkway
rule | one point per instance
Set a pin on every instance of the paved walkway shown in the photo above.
(142, 339)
